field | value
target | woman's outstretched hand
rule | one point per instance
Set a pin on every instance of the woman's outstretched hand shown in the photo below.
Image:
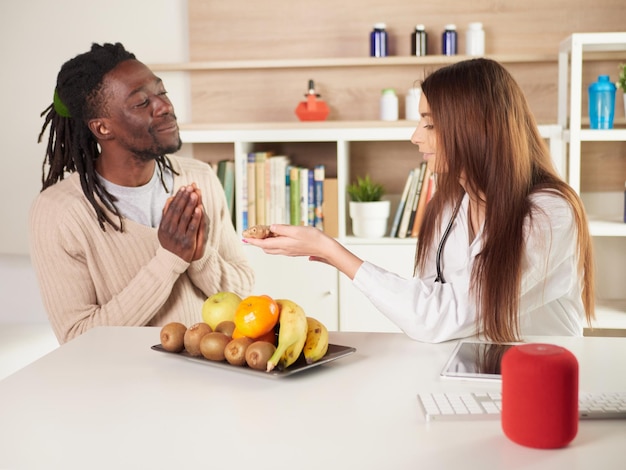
(292, 240)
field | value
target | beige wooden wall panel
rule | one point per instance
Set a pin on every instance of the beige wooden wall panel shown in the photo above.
(271, 95)
(279, 29)
(283, 29)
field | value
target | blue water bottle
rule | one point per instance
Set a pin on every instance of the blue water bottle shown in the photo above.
(378, 41)
(602, 103)
(448, 40)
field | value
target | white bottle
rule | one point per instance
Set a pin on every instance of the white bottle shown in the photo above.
(475, 39)
(412, 103)
(389, 105)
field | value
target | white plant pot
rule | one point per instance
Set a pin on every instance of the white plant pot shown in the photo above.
(369, 219)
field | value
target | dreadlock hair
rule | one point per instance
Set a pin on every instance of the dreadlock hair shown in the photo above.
(71, 145)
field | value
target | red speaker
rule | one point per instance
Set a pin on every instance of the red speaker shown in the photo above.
(539, 395)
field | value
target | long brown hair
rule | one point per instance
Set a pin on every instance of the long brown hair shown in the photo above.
(486, 131)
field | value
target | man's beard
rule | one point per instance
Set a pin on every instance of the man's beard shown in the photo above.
(156, 150)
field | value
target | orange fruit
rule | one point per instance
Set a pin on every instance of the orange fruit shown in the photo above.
(237, 334)
(269, 337)
(255, 316)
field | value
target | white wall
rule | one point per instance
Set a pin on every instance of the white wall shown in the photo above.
(36, 38)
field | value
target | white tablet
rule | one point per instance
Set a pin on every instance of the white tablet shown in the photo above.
(475, 360)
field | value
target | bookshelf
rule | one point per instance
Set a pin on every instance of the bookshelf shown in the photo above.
(605, 209)
(339, 136)
(329, 294)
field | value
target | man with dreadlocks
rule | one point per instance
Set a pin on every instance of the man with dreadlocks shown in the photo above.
(122, 233)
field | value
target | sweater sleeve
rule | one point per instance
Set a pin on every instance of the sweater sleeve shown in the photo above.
(89, 277)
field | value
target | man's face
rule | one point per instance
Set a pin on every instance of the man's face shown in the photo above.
(140, 116)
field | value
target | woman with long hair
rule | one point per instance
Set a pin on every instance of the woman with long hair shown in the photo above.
(504, 250)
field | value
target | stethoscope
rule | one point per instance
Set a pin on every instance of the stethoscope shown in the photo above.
(442, 243)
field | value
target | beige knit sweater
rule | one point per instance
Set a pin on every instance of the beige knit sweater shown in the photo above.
(90, 277)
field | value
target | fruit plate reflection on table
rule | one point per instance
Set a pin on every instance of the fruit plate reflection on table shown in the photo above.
(334, 352)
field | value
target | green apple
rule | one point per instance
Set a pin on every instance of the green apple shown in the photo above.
(220, 307)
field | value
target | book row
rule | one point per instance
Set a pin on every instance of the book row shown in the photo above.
(225, 170)
(418, 190)
(275, 191)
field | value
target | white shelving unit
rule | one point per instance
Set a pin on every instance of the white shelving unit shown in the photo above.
(245, 136)
(604, 222)
(322, 292)
(572, 53)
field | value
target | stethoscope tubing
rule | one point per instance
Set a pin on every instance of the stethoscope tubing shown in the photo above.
(443, 240)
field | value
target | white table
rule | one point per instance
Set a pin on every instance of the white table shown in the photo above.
(106, 400)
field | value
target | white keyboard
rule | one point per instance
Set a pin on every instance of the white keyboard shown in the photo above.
(488, 405)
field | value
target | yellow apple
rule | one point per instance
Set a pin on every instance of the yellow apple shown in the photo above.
(220, 307)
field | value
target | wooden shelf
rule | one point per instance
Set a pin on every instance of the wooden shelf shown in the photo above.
(342, 62)
(337, 62)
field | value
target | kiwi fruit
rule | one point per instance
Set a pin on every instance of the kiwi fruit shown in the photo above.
(212, 345)
(258, 353)
(193, 335)
(173, 337)
(227, 327)
(235, 352)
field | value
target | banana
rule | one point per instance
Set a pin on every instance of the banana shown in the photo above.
(316, 343)
(292, 334)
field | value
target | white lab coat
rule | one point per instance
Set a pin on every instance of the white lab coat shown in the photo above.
(433, 312)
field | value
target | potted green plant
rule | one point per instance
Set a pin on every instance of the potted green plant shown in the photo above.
(369, 213)
(621, 82)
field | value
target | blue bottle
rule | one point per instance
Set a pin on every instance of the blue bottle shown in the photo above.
(379, 41)
(449, 40)
(602, 103)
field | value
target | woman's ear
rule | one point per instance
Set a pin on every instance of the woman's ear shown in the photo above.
(99, 129)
